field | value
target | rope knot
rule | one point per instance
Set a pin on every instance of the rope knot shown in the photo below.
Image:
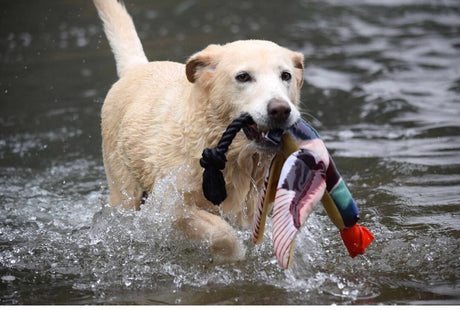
(212, 157)
(213, 161)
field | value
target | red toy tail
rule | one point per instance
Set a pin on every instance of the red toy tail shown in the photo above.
(356, 239)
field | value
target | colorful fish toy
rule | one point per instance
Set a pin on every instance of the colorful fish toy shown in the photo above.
(301, 175)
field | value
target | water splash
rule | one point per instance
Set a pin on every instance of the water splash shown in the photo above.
(141, 250)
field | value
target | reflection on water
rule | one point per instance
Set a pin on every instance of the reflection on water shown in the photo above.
(382, 87)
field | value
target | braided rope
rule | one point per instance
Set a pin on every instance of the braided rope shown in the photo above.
(213, 160)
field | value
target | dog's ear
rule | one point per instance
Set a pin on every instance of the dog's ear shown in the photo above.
(207, 59)
(298, 64)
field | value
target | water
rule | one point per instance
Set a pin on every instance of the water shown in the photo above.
(382, 88)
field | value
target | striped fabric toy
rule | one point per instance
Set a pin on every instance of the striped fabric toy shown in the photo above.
(302, 174)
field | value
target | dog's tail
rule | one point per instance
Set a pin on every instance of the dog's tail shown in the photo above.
(121, 33)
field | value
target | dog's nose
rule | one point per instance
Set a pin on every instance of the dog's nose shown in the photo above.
(278, 110)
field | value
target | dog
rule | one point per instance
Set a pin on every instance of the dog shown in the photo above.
(160, 116)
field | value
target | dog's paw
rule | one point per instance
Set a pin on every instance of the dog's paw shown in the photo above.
(226, 248)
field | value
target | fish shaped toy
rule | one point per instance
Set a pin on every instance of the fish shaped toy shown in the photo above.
(301, 175)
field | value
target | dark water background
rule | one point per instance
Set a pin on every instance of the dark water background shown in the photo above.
(382, 88)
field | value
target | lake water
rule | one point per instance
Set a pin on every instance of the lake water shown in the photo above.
(382, 88)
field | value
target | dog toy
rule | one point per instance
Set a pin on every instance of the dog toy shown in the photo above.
(301, 174)
(213, 161)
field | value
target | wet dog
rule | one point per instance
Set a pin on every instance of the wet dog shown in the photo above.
(161, 115)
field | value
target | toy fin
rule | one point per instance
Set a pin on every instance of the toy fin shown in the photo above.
(356, 238)
(301, 186)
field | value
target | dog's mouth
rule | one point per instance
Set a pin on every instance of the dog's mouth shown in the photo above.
(264, 139)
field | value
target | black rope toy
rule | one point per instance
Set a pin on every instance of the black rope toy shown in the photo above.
(213, 160)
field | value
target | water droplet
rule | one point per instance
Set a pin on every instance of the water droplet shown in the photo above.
(8, 278)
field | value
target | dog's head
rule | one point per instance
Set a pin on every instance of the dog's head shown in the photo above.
(256, 77)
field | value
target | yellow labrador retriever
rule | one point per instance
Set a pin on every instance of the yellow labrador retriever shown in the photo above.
(161, 115)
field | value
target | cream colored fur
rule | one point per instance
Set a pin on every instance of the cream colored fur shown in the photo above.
(161, 115)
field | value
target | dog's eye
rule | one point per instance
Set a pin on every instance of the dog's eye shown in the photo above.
(243, 77)
(286, 76)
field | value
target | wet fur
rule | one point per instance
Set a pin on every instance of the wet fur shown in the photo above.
(161, 115)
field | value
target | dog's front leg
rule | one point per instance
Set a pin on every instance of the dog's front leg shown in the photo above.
(201, 225)
(128, 194)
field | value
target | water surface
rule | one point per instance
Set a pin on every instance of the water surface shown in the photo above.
(382, 87)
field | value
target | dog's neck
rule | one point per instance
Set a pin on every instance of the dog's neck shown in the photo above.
(246, 166)
(244, 175)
